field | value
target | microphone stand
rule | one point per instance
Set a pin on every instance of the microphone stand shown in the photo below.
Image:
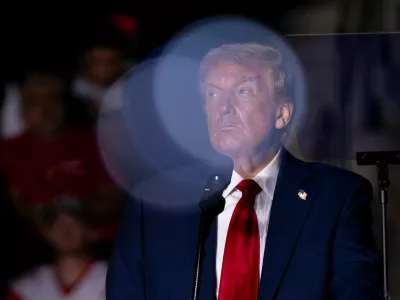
(204, 225)
(211, 205)
(382, 159)
(384, 183)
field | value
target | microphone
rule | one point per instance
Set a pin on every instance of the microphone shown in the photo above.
(212, 204)
(212, 199)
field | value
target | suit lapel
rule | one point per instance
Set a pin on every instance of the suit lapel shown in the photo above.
(288, 214)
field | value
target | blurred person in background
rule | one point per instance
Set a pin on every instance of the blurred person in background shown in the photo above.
(50, 159)
(11, 120)
(74, 274)
(101, 67)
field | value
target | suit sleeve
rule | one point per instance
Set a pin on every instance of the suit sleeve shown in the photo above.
(356, 263)
(125, 278)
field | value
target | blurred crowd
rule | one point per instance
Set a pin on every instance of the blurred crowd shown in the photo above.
(62, 207)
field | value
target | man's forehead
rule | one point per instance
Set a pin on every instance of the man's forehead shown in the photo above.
(232, 71)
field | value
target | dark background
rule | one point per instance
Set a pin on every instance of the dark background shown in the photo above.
(40, 33)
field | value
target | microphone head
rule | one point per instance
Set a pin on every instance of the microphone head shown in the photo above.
(214, 180)
(212, 199)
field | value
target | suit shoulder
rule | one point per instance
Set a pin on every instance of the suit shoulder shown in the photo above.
(322, 172)
(191, 174)
(175, 190)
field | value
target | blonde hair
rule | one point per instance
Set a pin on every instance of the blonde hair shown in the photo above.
(252, 55)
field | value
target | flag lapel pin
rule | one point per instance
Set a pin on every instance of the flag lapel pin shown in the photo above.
(302, 195)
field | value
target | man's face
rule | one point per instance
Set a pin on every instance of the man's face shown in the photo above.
(67, 234)
(103, 65)
(43, 110)
(240, 109)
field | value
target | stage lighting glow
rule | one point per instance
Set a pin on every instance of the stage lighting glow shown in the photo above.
(162, 118)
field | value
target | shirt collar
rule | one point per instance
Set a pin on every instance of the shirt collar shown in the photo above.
(266, 178)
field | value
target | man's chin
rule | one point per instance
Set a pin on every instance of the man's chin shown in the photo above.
(227, 150)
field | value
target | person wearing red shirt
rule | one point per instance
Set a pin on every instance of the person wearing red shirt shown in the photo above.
(49, 159)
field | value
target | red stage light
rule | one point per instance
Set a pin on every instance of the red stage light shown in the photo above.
(126, 24)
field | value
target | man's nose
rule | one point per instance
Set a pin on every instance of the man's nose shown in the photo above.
(226, 105)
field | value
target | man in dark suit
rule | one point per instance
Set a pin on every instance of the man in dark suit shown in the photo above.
(289, 229)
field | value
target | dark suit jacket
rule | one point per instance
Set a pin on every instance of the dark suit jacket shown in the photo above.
(318, 248)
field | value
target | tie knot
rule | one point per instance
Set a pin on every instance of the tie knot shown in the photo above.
(249, 187)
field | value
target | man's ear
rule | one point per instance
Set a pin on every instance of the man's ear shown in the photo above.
(284, 114)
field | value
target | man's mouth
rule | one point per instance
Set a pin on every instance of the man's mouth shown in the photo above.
(227, 127)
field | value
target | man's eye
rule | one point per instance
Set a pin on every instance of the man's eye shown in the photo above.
(211, 94)
(245, 91)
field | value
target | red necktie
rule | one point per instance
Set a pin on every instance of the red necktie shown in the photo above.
(241, 263)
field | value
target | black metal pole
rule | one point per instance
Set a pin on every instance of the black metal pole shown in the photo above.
(211, 205)
(199, 256)
(382, 159)
(384, 183)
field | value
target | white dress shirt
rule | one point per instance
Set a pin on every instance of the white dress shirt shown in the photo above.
(266, 179)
